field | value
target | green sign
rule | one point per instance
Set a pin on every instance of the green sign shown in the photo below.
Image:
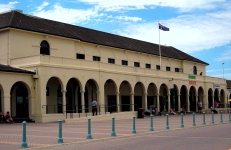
(191, 77)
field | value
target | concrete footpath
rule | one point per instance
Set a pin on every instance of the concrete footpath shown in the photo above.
(192, 135)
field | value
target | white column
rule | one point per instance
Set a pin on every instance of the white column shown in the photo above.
(145, 101)
(179, 104)
(132, 101)
(169, 104)
(82, 101)
(158, 102)
(101, 102)
(118, 101)
(64, 100)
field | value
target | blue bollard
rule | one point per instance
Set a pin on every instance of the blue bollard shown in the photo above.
(212, 118)
(221, 119)
(134, 125)
(203, 121)
(89, 136)
(113, 127)
(167, 124)
(24, 143)
(194, 122)
(230, 116)
(60, 138)
(182, 120)
(151, 123)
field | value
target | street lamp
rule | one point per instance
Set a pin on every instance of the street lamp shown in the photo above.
(223, 69)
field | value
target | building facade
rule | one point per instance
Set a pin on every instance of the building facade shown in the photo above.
(66, 66)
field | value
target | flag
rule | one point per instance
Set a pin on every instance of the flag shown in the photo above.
(161, 27)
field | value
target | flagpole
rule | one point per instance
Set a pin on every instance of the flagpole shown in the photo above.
(159, 45)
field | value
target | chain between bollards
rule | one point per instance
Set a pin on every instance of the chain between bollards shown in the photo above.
(151, 123)
(24, 143)
(212, 118)
(113, 127)
(60, 138)
(134, 125)
(167, 124)
(221, 119)
(194, 122)
(203, 121)
(89, 136)
(182, 120)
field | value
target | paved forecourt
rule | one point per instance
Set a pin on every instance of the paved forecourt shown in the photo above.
(45, 135)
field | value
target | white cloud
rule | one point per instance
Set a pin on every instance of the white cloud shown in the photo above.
(182, 5)
(127, 18)
(9, 6)
(226, 56)
(44, 4)
(67, 15)
(187, 32)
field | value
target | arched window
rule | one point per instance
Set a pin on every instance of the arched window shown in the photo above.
(44, 48)
(194, 70)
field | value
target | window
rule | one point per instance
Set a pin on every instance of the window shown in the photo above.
(157, 67)
(168, 69)
(111, 60)
(136, 64)
(195, 70)
(44, 48)
(177, 70)
(124, 62)
(148, 66)
(80, 56)
(96, 58)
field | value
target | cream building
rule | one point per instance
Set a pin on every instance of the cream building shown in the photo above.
(66, 66)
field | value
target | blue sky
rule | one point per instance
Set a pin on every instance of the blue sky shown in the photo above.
(201, 28)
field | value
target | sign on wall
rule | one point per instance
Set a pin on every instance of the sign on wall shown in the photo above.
(192, 83)
(191, 77)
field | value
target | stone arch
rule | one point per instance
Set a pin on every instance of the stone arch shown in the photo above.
(201, 95)
(184, 97)
(110, 92)
(125, 91)
(91, 92)
(210, 98)
(163, 97)
(216, 96)
(174, 98)
(54, 96)
(152, 93)
(73, 96)
(139, 92)
(222, 98)
(192, 99)
(20, 100)
(44, 48)
(194, 70)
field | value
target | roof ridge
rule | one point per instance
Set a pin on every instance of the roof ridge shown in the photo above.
(12, 17)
